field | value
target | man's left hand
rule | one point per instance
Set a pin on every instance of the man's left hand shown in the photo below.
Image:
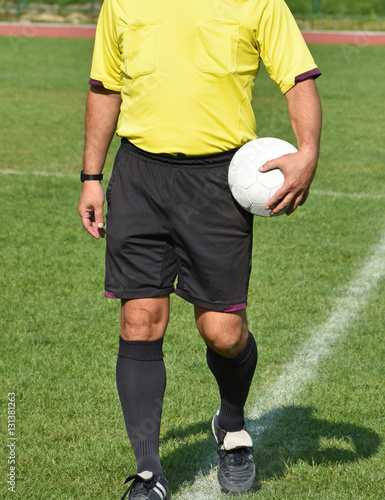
(298, 170)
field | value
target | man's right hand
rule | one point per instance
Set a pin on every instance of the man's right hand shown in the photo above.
(102, 111)
(91, 208)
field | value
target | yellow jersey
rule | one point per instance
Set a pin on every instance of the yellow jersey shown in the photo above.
(186, 69)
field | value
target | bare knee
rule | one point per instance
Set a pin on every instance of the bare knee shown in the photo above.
(225, 333)
(144, 319)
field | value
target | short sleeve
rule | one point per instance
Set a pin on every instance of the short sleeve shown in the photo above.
(106, 60)
(282, 47)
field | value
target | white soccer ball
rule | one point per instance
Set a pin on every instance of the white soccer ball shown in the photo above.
(250, 187)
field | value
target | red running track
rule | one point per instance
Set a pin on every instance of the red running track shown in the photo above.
(32, 30)
(87, 31)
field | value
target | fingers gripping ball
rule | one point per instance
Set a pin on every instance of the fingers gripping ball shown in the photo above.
(250, 187)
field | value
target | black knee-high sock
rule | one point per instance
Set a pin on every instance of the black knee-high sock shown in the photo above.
(233, 376)
(141, 382)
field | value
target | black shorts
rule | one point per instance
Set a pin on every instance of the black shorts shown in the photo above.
(174, 217)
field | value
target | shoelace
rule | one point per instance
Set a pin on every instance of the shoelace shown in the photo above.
(143, 484)
(135, 481)
(238, 456)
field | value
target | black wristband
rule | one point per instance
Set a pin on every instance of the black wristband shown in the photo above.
(94, 177)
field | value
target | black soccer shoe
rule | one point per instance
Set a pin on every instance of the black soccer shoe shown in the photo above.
(147, 486)
(236, 468)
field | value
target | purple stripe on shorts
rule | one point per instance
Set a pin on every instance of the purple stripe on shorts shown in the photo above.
(110, 295)
(313, 73)
(95, 83)
(235, 307)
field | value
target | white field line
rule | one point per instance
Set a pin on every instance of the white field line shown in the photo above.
(8, 171)
(303, 369)
(336, 194)
(339, 194)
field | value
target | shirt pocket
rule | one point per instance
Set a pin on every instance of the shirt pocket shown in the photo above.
(216, 46)
(140, 49)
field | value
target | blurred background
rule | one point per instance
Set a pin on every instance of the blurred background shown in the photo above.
(316, 14)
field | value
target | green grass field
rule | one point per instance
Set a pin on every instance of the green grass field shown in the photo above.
(324, 438)
(339, 7)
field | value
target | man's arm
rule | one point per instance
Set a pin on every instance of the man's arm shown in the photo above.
(299, 168)
(102, 111)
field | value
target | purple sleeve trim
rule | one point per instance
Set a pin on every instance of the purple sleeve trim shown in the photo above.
(95, 83)
(235, 307)
(110, 295)
(313, 73)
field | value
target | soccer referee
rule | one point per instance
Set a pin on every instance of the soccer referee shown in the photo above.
(174, 80)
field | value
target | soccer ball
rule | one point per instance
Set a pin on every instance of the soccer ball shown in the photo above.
(250, 187)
